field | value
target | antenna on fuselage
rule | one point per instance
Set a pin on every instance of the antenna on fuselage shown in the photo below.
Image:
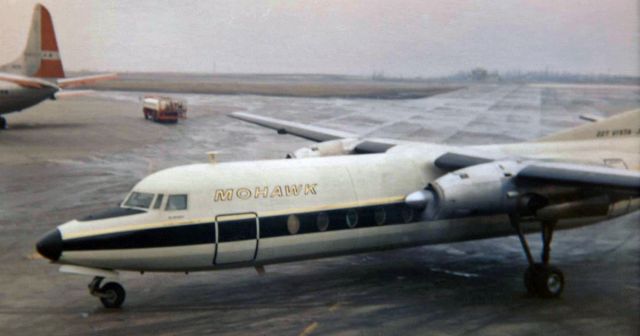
(212, 156)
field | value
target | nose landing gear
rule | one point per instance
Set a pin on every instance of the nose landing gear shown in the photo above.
(111, 295)
(541, 279)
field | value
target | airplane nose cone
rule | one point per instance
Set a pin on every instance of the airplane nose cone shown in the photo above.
(50, 246)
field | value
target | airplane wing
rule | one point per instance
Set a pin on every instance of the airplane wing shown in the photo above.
(84, 80)
(72, 93)
(29, 82)
(308, 132)
(551, 172)
(581, 175)
(315, 133)
(459, 158)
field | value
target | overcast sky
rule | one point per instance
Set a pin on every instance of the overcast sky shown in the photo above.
(398, 37)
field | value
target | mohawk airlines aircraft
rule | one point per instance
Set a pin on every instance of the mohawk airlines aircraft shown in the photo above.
(325, 202)
(37, 74)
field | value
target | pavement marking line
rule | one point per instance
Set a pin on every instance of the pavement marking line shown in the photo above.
(309, 329)
(334, 307)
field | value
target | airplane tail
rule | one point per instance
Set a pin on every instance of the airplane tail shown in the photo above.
(623, 125)
(41, 57)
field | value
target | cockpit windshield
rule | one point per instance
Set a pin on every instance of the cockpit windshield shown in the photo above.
(139, 200)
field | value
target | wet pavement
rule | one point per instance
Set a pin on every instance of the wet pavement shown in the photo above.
(464, 288)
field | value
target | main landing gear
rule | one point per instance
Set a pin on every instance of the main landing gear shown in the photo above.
(111, 295)
(540, 279)
(3, 123)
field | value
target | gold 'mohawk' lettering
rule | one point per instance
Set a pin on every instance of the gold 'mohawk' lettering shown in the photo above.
(310, 189)
(264, 192)
(243, 193)
(276, 192)
(223, 195)
(292, 190)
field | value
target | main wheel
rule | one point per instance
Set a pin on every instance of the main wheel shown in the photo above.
(114, 295)
(550, 282)
(3, 123)
(544, 281)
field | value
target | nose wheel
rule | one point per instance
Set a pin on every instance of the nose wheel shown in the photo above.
(112, 294)
(540, 279)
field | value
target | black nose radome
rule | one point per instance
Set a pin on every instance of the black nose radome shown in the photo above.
(50, 246)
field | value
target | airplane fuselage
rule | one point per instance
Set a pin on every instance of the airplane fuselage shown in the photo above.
(15, 98)
(223, 215)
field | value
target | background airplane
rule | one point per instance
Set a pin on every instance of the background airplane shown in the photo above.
(37, 74)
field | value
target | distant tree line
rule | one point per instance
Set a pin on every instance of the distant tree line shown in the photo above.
(483, 75)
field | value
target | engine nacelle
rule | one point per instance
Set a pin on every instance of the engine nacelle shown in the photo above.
(491, 188)
(327, 148)
(482, 189)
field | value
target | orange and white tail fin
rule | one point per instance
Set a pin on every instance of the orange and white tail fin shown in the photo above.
(623, 125)
(41, 57)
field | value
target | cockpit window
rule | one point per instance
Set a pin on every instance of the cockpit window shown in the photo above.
(139, 200)
(176, 202)
(158, 201)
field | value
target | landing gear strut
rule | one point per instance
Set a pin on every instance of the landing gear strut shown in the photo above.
(3, 123)
(540, 279)
(111, 295)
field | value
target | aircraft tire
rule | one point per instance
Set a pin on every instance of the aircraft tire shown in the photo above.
(544, 281)
(3, 123)
(114, 295)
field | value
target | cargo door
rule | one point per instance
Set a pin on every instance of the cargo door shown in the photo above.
(236, 238)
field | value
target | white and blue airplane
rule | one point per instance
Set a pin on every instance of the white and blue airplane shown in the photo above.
(327, 201)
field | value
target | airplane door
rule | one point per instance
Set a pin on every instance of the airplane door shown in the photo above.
(236, 238)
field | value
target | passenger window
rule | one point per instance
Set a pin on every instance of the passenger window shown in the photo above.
(176, 202)
(158, 202)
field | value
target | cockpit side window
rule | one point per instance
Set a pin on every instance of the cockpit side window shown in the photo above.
(139, 200)
(158, 201)
(176, 202)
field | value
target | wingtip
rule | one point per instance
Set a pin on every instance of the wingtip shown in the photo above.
(241, 116)
(234, 115)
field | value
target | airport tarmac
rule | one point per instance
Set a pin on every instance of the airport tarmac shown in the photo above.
(67, 159)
